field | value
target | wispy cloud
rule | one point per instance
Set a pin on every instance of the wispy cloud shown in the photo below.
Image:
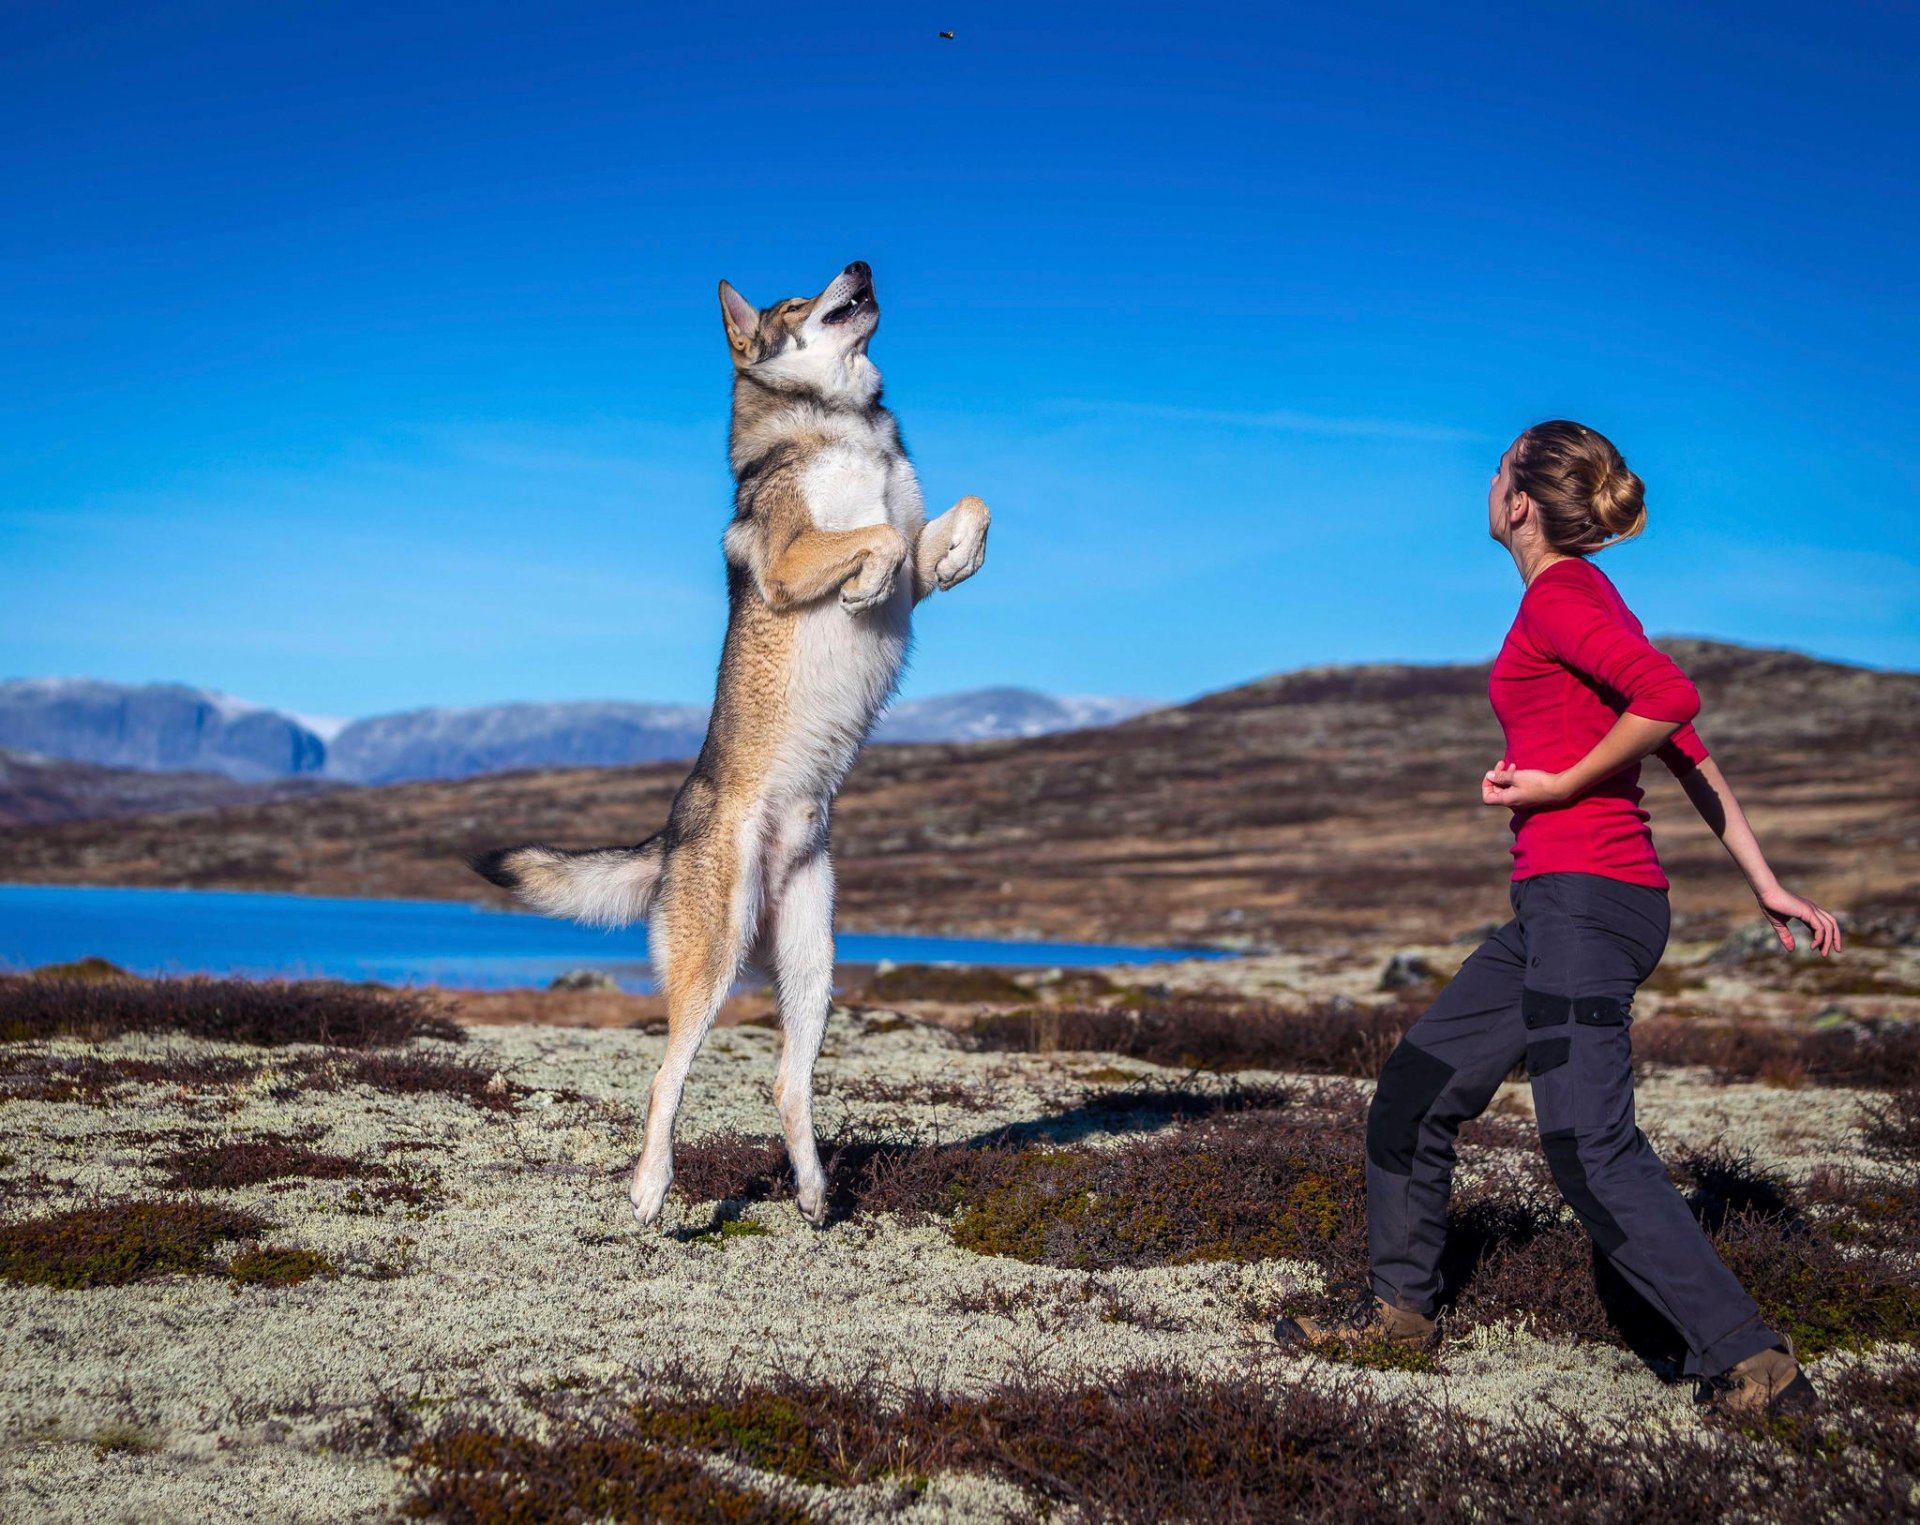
(1284, 421)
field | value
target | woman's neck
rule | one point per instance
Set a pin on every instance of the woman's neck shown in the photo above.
(1532, 560)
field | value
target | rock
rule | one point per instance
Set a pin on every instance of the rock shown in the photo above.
(1896, 929)
(585, 979)
(1843, 1023)
(1755, 939)
(1407, 971)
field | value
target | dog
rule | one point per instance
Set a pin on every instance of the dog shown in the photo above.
(827, 554)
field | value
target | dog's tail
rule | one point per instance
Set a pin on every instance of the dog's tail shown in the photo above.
(601, 886)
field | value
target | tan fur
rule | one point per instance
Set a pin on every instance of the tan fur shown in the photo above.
(828, 515)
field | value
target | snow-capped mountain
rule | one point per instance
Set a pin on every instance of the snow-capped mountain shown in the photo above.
(987, 714)
(456, 743)
(169, 727)
(158, 727)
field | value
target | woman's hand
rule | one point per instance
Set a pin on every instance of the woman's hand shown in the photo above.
(1521, 788)
(1783, 907)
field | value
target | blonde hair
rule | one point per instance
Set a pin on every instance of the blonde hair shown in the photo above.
(1586, 497)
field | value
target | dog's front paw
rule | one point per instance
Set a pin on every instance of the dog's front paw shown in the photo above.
(873, 585)
(962, 560)
(966, 543)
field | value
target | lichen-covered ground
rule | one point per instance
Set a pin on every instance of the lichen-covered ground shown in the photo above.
(471, 1270)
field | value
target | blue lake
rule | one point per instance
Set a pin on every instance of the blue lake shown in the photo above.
(401, 942)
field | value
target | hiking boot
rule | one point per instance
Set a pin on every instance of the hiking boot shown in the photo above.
(1764, 1386)
(1371, 1318)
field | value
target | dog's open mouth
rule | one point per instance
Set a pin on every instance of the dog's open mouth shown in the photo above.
(860, 301)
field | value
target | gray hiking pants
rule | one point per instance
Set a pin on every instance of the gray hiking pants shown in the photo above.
(1553, 987)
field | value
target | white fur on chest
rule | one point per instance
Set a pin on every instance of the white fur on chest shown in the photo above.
(845, 665)
(855, 485)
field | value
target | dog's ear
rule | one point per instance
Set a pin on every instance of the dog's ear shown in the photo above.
(741, 318)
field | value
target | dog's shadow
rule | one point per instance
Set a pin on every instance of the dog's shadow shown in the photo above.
(852, 1165)
(733, 1210)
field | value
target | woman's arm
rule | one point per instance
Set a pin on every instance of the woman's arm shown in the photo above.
(1632, 738)
(1713, 797)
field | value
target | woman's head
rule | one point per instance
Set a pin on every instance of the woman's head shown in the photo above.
(1578, 492)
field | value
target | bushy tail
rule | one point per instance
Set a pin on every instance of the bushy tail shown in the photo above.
(602, 886)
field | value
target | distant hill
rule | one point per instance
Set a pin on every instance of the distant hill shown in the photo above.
(158, 727)
(173, 728)
(37, 790)
(1307, 808)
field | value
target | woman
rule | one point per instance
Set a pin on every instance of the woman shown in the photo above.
(1582, 698)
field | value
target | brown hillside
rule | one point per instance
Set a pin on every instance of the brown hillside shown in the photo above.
(36, 790)
(1302, 809)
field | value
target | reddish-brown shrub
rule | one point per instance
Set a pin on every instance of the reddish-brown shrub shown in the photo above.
(266, 1013)
(251, 1161)
(1887, 1054)
(122, 1242)
(1159, 1443)
(1209, 1032)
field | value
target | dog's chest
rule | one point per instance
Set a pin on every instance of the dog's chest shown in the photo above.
(855, 485)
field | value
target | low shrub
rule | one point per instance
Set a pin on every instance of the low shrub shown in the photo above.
(1513, 1256)
(407, 1072)
(1158, 1443)
(481, 1473)
(276, 1265)
(1883, 1054)
(269, 1014)
(124, 1242)
(1893, 1125)
(251, 1161)
(953, 984)
(26, 1075)
(1212, 1032)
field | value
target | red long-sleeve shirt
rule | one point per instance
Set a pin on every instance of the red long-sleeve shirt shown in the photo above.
(1575, 660)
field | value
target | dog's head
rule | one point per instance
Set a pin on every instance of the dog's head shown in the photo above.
(815, 345)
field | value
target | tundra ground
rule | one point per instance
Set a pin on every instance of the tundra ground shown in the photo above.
(372, 1264)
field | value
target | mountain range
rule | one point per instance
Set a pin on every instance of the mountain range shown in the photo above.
(172, 728)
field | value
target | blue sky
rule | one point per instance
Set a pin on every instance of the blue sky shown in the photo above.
(359, 358)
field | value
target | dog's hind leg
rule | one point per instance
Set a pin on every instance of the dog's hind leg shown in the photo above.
(698, 938)
(803, 972)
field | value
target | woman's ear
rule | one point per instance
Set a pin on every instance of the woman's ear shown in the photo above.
(1519, 509)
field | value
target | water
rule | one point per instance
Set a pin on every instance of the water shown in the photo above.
(400, 942)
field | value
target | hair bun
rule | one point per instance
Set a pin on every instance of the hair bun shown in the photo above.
(1619, 500)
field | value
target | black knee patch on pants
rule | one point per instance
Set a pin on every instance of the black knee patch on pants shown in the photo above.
(1570, 1174)
(1548, 1054)
(1410, 1083)
(1540, 1009)
(1599, 1011)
